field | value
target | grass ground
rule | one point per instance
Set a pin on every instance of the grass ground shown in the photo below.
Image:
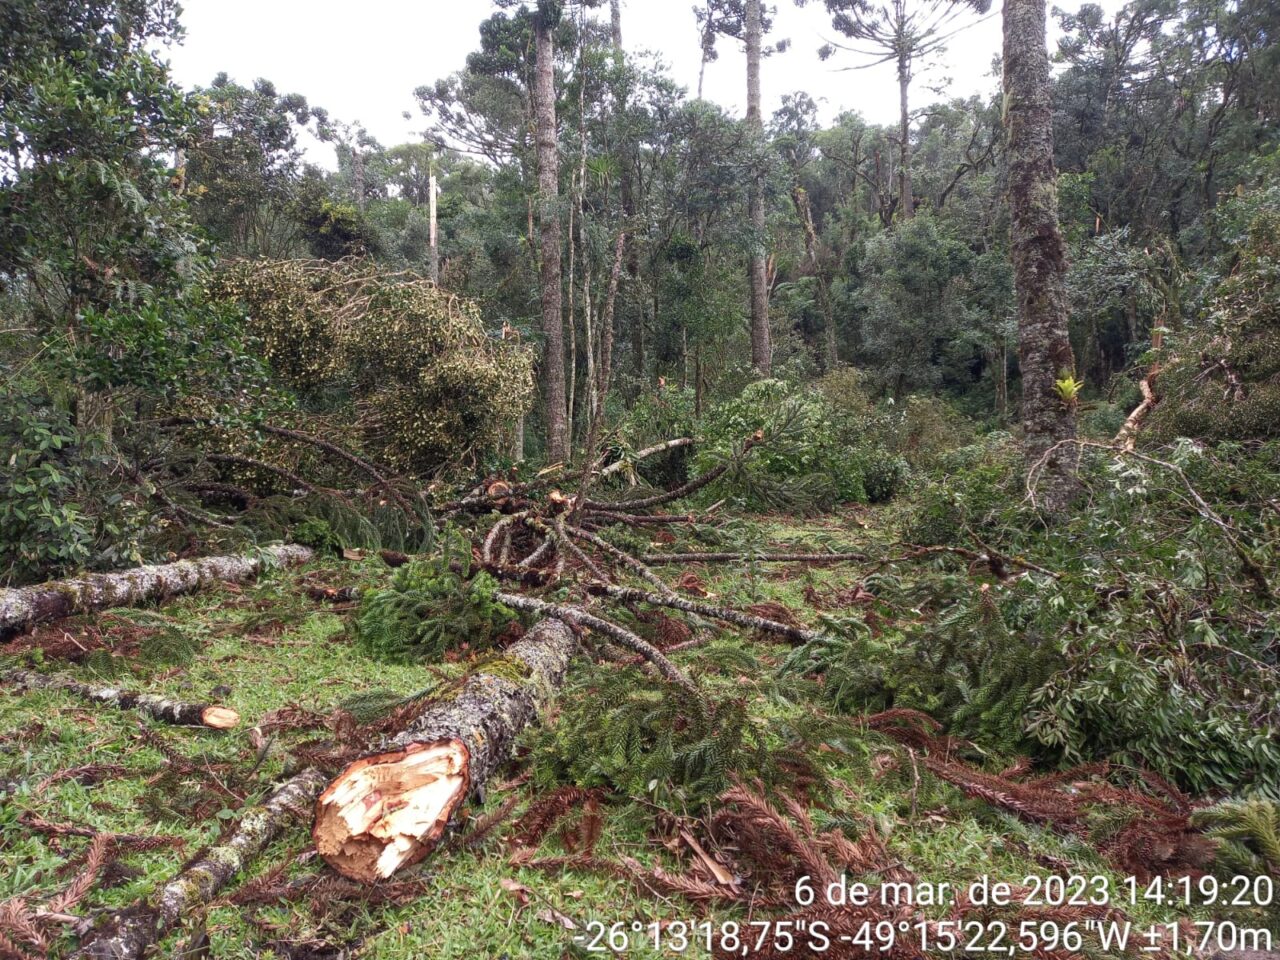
(268, 646)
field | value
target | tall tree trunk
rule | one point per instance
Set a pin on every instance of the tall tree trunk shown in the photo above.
(800, 197)
(627, 189)
(606, 318)
(357, 171)
(433, 262)
(544, 97)
(1039, 254)
(904, 135)
(761, 350)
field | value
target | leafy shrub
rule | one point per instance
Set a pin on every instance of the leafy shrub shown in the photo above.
(430, 384)
(62, 505)
(972, 485)
(428, 610)
(317, 534)
(883, 474)
(802, 465)
(40, 528)
(1222, 380)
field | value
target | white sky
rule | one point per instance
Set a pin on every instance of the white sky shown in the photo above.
(362, 61)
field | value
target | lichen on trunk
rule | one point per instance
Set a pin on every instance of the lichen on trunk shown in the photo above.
(177, 712)
(129, 933)
(391, 808)
(24, 607)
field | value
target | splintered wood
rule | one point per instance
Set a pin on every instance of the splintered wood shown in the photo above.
(391, 807)
(385, 812)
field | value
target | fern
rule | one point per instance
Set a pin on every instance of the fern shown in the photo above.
(1248, 832)
(430, 608)
(646, 738)
(170, 646)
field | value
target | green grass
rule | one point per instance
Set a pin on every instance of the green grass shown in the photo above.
(271, 646)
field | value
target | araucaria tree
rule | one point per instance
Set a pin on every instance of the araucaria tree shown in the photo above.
(901, 31)
(545, 20)
(1049, 387)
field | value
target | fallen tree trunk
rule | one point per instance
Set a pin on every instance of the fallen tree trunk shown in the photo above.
(24, 607)
(127, 934)
(390, 808)
(160, 708)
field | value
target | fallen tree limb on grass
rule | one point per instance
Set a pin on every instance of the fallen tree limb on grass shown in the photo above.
(127, 934)
(163, 709)
(24, 607)
(736, 617)
(667, 558)
(590, 621)
(390, 808)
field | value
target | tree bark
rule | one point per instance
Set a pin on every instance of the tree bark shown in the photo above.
(728, 615)
(1038, 252)
(391, 808)
(1127, 438)
(24, 607)
(128, 934)
(606, 320)
(761, 349)
(544, 99)
(160, 708)
(904, 135)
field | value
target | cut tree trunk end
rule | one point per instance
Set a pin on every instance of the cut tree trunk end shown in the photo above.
(159, 708)
(24, 607)
(391, 808)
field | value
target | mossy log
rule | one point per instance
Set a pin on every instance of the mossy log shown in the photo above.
(163, 709)
(391, 808)
(23, 607)
(127, 934)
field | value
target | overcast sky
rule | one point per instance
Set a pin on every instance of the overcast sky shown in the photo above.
(362, 61)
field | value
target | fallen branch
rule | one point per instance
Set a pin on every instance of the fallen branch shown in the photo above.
(596, 624)
(736, 617)
(644, 454)
(693, 486)
(159, 708)
(1250, 566)
(391, 808)
(666, 558)
(298, 482)
(127, 934)
(319, 443)
(624, 558)
(1127, 438)
(24, 607)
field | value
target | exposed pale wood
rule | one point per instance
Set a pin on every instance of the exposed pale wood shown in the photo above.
(391, 808)
(1128, 435)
